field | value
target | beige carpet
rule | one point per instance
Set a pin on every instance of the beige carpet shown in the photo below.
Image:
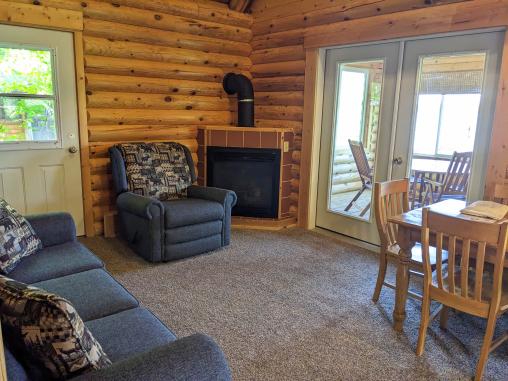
(295, 305)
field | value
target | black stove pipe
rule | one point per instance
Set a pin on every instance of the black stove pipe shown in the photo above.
(239, 83)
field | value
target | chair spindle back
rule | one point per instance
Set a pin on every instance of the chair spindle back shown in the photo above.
(390, 199)
(457, 175)
(460, 283)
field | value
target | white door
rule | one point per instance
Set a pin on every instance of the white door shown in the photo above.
(39, 160)
(359, 94)
(448, 92)
(408, 105)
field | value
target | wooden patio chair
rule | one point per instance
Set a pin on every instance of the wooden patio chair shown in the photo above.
(364, 170)
(455, 182)
(390, 199)
(464, 285)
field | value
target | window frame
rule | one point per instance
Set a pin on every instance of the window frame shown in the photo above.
(37, 144)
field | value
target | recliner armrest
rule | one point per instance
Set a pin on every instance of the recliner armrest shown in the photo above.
(196, 358)
(212, 194)
(53, 228)
(138, 205)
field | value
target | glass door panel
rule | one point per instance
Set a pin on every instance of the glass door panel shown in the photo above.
(360, 85)
(356, 127)
(448, 90)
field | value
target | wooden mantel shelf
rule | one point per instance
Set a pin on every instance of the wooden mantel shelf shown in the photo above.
(246, 129)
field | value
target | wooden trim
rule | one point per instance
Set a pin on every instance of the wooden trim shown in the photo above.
(262, 223)
(83, 135)
(311, 136)
(251, 129)
(475, 14)
(498, 156)
(40, 16)
(3, 370)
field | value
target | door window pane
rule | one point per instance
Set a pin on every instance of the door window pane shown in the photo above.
(27, 95)
(448, 101)
(357, 108)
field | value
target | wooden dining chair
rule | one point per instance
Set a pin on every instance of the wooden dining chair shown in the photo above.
(364, 170)
(464, 283)
(455, 181)
(501, 193)
(391, 198)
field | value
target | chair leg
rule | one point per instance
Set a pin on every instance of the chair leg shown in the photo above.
(383, 262)
(443, 317)
(485, 351)
(365, 210)
(424, 323)
(357, 196)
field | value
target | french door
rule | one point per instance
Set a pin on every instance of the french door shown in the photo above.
(394, 108)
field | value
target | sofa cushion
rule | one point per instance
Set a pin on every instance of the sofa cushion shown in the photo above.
(55, 261)
(15, 370)
(94, 293)
(191, 211)
(46, 329)
(158, 170)
(129, 333)
(17, 238)
(193, 232)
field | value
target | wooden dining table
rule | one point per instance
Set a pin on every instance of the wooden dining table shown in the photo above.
(409, 233)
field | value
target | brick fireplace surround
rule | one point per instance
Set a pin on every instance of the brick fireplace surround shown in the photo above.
(249, 137)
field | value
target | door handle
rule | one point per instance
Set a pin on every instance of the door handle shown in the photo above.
(397, 160)
(73, 149)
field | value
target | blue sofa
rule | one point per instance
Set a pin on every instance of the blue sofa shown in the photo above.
(161, 231)
(138, 344)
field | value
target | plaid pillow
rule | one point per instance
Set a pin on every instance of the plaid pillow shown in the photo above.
(158, 170)
(17, 238)
(47, 331)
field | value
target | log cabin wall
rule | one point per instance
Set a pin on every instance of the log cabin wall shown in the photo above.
(154, 71)
(278, 56)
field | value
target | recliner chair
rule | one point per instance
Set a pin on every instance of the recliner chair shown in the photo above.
(161, 231)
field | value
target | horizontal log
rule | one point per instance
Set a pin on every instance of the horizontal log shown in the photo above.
(296, 125)
(285, 98)
(274, 40)
(208, 12)
(340, 12)
(279, 112)
(103, 99)
(164, 117)
(111, 11)
(278, 54)
(278, 69)
(296, 156)
(100, 149)
(122, 49)
(104, 82)
(124, 32)
(143, 132)
(100, 182)
(284, 83)
(141, 68)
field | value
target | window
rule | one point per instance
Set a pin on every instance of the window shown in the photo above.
(28, 102)
(351, 105)
(448, 102)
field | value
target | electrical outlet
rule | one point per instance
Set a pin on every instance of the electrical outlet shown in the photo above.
(286, 146)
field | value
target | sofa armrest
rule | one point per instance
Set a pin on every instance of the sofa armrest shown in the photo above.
(53, 228)
(222, 196)
(138, 205)
(196, 358)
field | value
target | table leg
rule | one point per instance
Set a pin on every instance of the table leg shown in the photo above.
(402, 282)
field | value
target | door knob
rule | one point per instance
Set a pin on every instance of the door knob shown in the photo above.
(397, 160)
(73, 149)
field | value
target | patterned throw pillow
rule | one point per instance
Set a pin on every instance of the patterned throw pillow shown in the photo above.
(17, 238)
(158, 170)
(47, 331)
